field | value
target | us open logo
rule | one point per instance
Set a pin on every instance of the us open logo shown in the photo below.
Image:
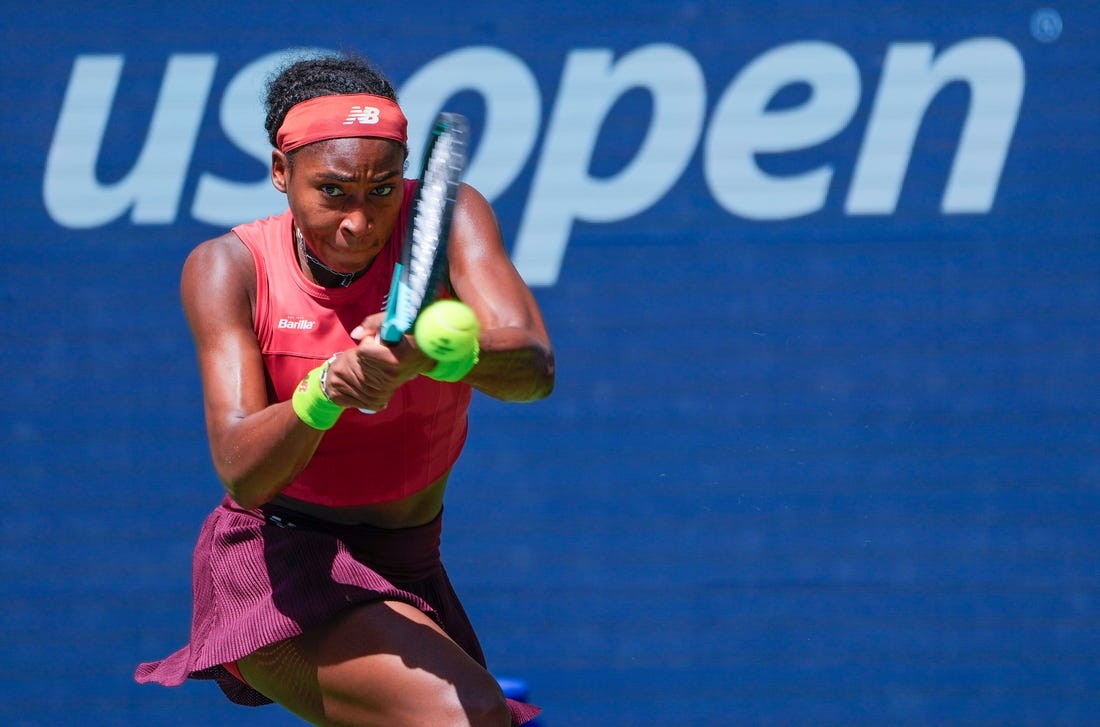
(725, 133)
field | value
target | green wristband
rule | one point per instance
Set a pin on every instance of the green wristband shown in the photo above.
(451, 371)
(312, 405)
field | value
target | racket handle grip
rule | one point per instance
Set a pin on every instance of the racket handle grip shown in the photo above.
(391, 331)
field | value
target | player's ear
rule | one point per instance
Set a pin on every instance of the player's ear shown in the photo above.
(280, 169)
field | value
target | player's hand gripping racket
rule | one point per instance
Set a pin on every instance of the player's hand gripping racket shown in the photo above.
(424, 257)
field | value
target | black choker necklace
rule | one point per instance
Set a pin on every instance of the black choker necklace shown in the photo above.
(323, 274)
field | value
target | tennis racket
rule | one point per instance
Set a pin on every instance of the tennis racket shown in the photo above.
(423, 262)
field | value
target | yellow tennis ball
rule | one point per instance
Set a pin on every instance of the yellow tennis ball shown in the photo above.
(447, 330)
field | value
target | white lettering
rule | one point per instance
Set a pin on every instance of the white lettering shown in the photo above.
(742, 126)
(296, 324)
(224, 202)
(72, 194)
(513, 111)
(564, 191)
(994, 72)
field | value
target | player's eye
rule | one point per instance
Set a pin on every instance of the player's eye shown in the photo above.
(331, 190)
(384, 190)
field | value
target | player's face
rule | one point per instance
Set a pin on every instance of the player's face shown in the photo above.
(345, 195)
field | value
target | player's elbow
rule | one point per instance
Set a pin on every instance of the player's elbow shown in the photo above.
(245, 499)
(543, 378)
(547, 378)
(240, 494)
(244, 488)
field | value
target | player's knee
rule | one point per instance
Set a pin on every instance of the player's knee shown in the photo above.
(475, 700)
(486, 707)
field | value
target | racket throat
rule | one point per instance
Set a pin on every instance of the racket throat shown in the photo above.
(398, 316)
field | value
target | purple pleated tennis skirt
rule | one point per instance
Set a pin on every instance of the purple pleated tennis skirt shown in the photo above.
(265, 575)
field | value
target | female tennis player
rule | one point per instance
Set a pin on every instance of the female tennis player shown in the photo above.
(317, 579)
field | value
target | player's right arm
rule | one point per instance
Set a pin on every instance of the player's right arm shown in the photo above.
(257, 447)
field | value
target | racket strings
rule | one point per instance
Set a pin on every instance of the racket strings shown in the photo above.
(424, 257)
(428, 223)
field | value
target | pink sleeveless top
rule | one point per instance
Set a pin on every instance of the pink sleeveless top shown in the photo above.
(365, 458)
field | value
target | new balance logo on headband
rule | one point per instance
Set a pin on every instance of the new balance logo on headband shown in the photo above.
(363, 114)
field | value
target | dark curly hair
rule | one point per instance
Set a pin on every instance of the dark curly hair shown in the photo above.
(320, 76)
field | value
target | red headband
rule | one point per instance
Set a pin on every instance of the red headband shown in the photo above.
(341, 116)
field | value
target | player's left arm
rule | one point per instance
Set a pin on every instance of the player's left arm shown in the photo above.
(517, 360)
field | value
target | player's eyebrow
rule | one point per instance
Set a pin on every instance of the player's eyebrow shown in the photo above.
(348, 178)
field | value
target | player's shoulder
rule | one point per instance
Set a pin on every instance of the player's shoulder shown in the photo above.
(467, 193)
(224, 248)
(220, 260)
(473, 205)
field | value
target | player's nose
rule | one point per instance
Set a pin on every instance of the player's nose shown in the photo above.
(358, 222)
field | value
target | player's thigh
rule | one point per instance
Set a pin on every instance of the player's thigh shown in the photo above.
(384, 663)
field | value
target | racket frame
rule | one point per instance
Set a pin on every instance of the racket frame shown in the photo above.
(416, 275)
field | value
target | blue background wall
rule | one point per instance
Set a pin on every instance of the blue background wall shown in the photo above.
(826, 469)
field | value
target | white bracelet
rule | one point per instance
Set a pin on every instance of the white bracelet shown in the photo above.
(324, 375)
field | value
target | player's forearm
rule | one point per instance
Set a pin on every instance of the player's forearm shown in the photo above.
(513, 366)
(259, 455)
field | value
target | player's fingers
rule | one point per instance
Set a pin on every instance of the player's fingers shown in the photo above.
(378, 376)
(368, 329)
(355, 380)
